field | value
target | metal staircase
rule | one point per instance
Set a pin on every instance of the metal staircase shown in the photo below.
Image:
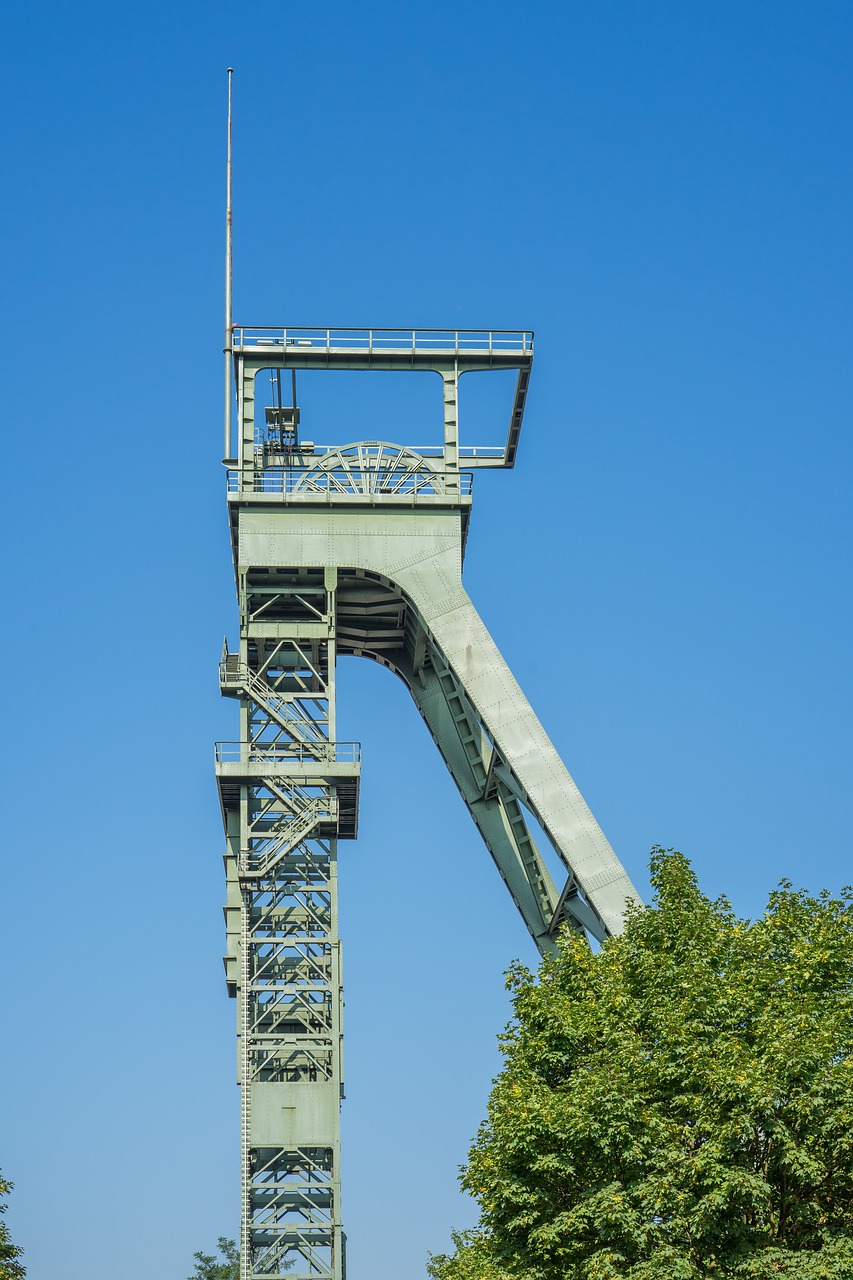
(284, 710)
(254, 864)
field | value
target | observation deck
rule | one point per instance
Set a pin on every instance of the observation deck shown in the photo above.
(447, 352)
(472, 349)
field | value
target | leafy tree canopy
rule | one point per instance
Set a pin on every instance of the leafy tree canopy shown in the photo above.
(11, 1268)
(678, 1105)
(227, 1268)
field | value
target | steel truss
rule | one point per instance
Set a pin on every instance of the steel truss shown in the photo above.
(288, 792)
(358, 550)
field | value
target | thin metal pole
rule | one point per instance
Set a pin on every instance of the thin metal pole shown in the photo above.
(228, 306)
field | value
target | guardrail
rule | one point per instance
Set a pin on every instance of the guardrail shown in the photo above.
(377, 341)
(424, 450)
(369, 481)
(278, 752)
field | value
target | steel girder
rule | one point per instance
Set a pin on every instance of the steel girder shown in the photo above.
(379, 623)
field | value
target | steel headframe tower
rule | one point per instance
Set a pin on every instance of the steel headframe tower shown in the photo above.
(358, 550)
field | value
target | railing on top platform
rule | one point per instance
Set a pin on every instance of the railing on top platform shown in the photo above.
(483, 342)
(308, 480)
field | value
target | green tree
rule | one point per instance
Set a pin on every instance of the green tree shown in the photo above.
(227, 1268)
(10, 1266)
(678, 1105)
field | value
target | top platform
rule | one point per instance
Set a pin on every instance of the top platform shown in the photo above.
(469, 349)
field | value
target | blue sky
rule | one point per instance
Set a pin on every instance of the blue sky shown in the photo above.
(663, 192)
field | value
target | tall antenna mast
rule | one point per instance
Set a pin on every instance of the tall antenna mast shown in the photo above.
(228, 274)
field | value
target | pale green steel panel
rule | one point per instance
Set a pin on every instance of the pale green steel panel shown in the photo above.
(294, 1115)
(420, 552)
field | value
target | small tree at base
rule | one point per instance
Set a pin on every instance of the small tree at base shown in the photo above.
(11, 1268)
(227, 1268)
(678, 1106)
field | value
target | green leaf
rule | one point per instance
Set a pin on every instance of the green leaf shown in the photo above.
(679, 1104)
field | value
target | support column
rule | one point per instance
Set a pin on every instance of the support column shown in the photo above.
(451, 429)
(246, 402)
(284, 793)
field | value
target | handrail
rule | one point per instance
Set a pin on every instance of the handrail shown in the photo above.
(458, 341)
(425, 451)
(362, 481)
(276, 752)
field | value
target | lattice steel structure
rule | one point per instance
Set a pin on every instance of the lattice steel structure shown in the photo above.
(358, 550)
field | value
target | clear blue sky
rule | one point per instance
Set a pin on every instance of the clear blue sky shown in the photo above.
(661, 190)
